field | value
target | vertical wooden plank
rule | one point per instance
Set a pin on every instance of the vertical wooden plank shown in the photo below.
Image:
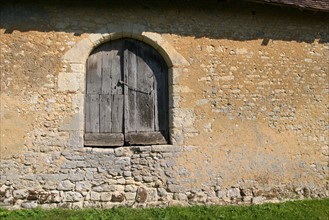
(94, 73)
(125, 80)
(110, 85)
(131, 69)
(105, 113)
(155, 99)
(107, 60)
(111, 67)
(145, 85)
(111, 75)
(117, 88)
(117, 67)
(92, 113)
(117, 113)
(161, 96)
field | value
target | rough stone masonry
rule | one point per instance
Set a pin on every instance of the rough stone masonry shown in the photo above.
(249, 94)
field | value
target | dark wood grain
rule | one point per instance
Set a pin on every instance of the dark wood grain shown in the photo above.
(145, 138)
(92, 113)
(144, 98)
(94, 76)
(105, 113)
(117, 113)
(131, 64)
(104, 139)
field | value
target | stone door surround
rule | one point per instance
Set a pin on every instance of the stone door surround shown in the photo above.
(72, 79)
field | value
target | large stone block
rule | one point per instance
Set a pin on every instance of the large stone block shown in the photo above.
(83, 186)
(78, 102)
(29, 205)
(69, 82)
(79, 53)
(20, 194)
(118, 197)
(66, 185)
(233, 193)
(97, 39)
(73, 197)
(95, 196)
(141, 195)
(105, 196)
(72, 123)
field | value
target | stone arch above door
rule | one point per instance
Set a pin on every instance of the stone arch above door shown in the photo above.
(72, 79)
(80, 52)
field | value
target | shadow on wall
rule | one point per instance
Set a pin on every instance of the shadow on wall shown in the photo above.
(234, 20)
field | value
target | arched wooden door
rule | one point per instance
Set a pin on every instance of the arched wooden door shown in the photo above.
(126, 95)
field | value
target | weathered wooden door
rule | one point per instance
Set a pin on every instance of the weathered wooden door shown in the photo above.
(126, 95)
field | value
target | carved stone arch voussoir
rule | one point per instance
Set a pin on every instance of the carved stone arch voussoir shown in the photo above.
(80, 52)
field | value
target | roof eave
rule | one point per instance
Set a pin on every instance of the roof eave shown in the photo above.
(303, 5)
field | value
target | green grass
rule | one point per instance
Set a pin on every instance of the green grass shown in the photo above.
(307, 209)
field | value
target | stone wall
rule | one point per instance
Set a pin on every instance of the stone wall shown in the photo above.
(248, 106)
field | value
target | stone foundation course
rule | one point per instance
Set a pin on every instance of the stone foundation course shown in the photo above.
(147, 176)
